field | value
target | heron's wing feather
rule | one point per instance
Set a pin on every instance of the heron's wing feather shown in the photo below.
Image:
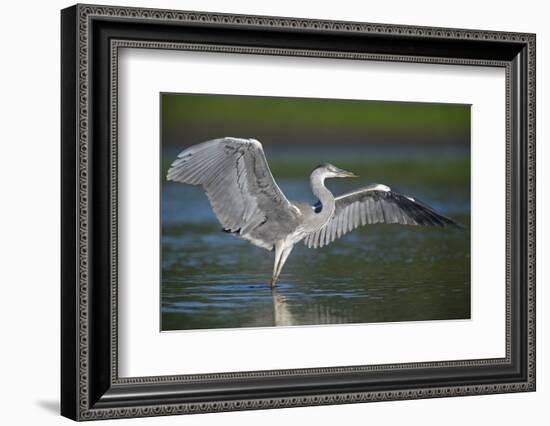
(374, 204)
(241, 189)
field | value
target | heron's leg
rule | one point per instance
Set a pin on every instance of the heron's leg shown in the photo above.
(278, 252)
(280, 261)
(278, 255)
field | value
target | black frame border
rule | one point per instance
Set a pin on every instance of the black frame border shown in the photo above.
(90, 387)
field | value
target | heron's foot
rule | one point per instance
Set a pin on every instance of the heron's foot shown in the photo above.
(273, 281)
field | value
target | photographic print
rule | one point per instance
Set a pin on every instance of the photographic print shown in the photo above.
(297, 211)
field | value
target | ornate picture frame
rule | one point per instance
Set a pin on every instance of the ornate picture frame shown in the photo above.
(91, 37)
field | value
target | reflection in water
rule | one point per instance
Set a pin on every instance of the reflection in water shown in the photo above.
(281, 312)
(319, 313)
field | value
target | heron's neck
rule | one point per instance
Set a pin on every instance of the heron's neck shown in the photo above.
(324, 195)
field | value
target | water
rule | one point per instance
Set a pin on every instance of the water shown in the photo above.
(377, 273)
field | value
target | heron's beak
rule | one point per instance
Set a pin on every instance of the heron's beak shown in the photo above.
(346, 174)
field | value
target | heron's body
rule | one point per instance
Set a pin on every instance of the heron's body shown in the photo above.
(248, 203)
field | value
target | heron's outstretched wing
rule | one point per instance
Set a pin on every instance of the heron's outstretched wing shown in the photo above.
(241, 189)
(375, 203)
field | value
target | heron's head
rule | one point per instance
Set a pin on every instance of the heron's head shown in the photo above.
(327, 170)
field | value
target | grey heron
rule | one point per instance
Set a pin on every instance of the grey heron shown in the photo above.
(248, 203)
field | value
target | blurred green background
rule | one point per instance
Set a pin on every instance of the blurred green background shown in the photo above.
(325, 125)
(314, 121)
(376, 273)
